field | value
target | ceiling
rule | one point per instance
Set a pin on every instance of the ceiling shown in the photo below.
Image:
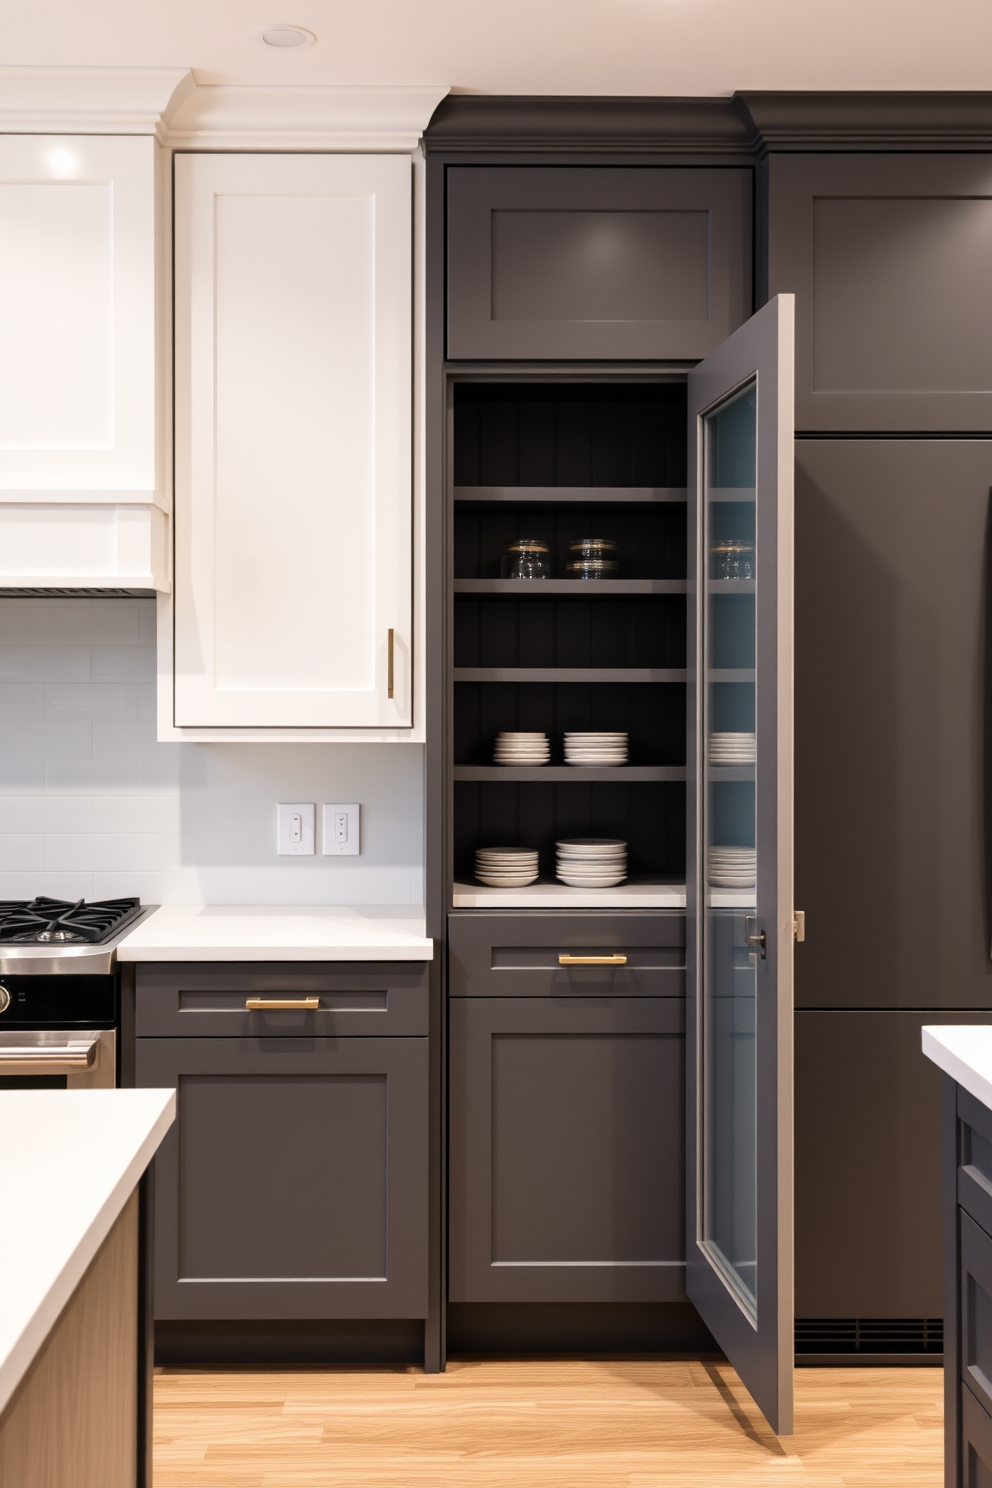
(527, 46)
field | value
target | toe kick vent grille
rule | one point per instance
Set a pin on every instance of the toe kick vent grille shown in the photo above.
(870, 1336)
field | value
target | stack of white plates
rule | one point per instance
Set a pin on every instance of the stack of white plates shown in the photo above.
(506, 867)
(732, 749)
(591, 862)
(596, 749)
(522, 749)
(733, 867)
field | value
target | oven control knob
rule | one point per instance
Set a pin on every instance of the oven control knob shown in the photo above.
(4, 998)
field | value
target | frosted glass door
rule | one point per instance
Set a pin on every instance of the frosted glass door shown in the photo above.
(739, 1245)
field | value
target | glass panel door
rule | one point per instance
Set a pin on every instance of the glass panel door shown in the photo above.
(739, 874)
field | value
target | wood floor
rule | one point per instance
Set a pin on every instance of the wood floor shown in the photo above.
(533, 1424)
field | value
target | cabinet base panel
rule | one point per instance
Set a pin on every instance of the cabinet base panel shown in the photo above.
(577, 1328)
(375, 1341)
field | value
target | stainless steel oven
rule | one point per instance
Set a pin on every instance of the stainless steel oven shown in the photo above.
(60, 993)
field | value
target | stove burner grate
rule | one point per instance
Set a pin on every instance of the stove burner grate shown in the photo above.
(44, 921)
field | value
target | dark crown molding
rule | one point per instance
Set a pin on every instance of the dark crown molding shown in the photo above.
(749, 123)
(869, 121)
(475, 122)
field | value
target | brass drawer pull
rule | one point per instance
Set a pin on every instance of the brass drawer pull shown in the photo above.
(265, 1004)
(617, 959)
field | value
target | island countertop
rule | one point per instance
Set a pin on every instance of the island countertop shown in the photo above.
(69, 1162)
(189, 932)
(963, 1051)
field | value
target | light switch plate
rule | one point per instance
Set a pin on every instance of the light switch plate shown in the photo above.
(294, 836)
(342, 829)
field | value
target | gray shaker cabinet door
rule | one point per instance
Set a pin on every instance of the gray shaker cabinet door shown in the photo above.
(890, 260)
(566, 1142)
(596, 262)
(294, 1181)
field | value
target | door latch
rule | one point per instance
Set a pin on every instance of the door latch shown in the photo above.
(798, 925)
(750, 939)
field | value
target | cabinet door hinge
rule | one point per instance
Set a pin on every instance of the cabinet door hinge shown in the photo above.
(798, 924)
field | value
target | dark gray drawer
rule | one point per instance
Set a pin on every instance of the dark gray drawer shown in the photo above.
(976, 1311)
(208, 999)
(519, 955)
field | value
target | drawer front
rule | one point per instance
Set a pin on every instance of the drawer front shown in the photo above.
(542, 955)
(976, 1443)
(211, 1000)
(975, 1160)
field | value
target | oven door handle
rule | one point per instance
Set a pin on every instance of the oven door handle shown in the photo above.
(48, 1059)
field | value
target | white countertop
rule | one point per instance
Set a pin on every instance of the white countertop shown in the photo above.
(191, 932)
(69, 1161)
(963, 1051)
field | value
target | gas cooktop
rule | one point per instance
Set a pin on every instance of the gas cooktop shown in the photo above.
(47, 936)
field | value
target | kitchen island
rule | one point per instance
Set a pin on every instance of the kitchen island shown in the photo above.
(75, 1374)
(964, 1053)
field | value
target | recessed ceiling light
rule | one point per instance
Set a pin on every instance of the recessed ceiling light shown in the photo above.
(286, 37)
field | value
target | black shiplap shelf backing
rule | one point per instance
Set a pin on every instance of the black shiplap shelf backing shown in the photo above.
(569, 674)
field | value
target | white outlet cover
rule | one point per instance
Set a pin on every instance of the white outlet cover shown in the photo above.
(295, 829)
(342, 831)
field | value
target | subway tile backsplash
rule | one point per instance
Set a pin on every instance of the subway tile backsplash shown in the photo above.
(92, 805)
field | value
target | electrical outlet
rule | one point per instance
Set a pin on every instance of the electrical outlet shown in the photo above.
(342, 826)
(294, 836)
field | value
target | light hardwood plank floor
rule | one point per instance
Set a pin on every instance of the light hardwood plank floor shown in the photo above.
(604, 1423)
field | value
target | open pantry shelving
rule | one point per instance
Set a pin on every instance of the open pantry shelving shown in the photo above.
(561, 461)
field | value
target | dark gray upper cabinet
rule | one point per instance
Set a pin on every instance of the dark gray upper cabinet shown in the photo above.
(890, 260)
(590, 263)
(890, 737)
(566, 1149)
(294, 1181)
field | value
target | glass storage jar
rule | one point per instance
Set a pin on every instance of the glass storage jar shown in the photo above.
(525, 558)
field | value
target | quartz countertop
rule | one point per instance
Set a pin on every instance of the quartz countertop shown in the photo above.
(69, 1162)
(963, 1051)
(189, 932)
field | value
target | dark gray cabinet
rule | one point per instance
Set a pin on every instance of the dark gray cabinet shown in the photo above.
(967, 1209)
(587, 263)
(867, 1141)
(890, 259)
(294, 1183)
(566, 1149)
(891, 544)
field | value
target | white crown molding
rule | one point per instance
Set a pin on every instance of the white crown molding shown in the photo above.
(89, 100)
(224, 116)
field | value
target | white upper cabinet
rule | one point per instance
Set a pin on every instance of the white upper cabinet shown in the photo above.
(293, 423)
(83, 491)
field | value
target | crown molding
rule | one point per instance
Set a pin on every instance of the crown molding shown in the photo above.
(868, 121)
(476, 122)
(224, 116)
(89, 100)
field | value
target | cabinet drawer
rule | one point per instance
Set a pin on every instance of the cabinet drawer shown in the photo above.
(519, 955)
(209, 1000)
(567, 1137)
(976, 1311)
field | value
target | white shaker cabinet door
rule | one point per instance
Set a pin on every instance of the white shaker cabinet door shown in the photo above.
(293, 522)
(77, 319)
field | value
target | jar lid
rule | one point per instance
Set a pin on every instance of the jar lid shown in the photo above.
(526, 545)
(732, 545)
(592, 545)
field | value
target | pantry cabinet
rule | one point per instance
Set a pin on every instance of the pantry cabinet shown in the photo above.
(84, 494)
(293, 526)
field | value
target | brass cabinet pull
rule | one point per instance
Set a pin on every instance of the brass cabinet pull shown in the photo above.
(265, 1004)
(389, 664)
(617, 959)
